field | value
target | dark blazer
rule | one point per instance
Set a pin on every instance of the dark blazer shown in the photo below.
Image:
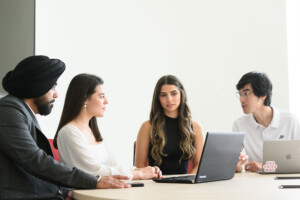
(27, 167)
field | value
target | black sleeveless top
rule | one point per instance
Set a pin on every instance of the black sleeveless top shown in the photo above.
(170, 164)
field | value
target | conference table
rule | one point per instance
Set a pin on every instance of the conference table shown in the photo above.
(246, 186)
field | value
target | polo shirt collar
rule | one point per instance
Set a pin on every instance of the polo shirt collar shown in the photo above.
(253, 122)
(276, 118)
(274, 123)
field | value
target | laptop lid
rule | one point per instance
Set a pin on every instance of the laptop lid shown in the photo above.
(281, 156)
(220, 156)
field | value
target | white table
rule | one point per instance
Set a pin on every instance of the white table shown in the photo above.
(243, 186)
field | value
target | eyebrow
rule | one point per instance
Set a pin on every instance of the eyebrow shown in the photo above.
(246, 90)
(170, 92)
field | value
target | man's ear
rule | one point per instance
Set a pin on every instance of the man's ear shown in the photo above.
(264, 98)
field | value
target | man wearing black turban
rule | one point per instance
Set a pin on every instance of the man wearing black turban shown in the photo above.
(27, 167)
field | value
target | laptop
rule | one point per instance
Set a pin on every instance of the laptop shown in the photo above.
(281, 156)
(218, 160)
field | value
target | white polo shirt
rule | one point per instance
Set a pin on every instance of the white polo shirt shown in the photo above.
(284, 125)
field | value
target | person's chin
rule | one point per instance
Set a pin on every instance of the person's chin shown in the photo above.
(100, 115)
(246, 111)
(170, 108)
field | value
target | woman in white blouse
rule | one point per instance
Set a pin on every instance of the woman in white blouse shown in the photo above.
(78, 138)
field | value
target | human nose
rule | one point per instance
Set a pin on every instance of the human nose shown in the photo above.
(55, 93)
(169, 98)
(242, 98)
(105, 101)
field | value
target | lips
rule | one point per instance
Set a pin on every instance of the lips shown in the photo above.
(51, 102)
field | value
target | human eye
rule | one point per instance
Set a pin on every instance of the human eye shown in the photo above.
(162, 94)
(102, 96)
(174, 93)
(246, 93)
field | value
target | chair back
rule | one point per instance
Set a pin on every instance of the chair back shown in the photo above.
(54, 150)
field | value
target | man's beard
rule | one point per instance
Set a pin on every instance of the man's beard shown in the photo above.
(44, 107)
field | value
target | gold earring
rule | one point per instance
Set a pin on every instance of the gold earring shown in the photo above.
(84, 107)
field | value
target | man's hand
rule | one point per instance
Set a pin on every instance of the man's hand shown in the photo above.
(113, 182)
(253, 166)
(242, 160)
(69, 197)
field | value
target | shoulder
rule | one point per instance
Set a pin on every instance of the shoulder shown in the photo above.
(146, 125)
(196, 125)
(14, 110)
(197, 128)
(287, 117)
(145, 128)
(244, 123)
(242, 119)
(69, 131)
(286, 114)
(10, 101)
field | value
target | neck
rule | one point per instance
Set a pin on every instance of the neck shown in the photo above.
(82, 120)
(172, 114)
(32, 105)
(264, 116)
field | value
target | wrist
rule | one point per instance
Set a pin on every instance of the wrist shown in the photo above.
(239, 169)
(136, 174)
(98, 186)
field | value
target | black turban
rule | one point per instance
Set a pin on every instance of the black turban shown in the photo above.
(33, 77)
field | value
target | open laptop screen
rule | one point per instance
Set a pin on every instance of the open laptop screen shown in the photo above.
(220, 156)
(281, 156)
(218, 160)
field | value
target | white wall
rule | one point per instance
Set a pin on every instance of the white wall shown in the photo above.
(293, 46)
(209, 45)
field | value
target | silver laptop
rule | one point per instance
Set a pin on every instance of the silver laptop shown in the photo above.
(281, 156)
(218, 160)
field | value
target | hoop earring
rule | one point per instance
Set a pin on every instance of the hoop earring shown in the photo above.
(84, 107)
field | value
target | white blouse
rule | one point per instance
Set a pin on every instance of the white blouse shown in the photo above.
(97, 159)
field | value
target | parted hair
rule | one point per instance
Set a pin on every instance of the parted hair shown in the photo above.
(157, 121)
(80, 89)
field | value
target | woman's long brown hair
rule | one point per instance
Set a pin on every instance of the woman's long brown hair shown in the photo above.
(80, 89)
(157, 121)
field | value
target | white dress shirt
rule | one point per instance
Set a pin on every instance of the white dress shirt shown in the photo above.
(97, 159)
(284, 125)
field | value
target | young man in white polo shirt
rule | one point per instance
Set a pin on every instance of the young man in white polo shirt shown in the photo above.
(262, 121)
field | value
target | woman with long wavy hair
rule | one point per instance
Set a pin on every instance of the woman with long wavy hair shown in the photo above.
(170, 138)
(78, 138)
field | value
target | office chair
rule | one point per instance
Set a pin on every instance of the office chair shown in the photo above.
(54, 150)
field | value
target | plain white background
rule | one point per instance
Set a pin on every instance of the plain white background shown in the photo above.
(209, 45)
(293, 46)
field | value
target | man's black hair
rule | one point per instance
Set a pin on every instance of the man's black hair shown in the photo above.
(260, 83)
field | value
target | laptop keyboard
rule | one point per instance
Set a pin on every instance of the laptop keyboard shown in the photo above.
(176, 179)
